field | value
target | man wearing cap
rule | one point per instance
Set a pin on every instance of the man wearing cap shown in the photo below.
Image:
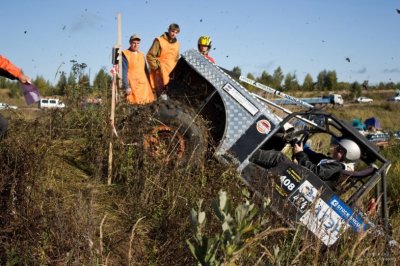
(135, 74)
(162, 58)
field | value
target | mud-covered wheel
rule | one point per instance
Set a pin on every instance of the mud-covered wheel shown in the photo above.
(3, 126)
(176, 135)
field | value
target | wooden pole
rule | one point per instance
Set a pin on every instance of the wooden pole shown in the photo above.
(116, 78)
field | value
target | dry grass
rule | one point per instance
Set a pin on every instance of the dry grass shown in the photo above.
(57, 208)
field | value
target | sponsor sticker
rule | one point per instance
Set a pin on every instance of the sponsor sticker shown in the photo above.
(235, 94)
(324, 222)
(347, 214)
(304, 196)
(263, 126)
(288, 182)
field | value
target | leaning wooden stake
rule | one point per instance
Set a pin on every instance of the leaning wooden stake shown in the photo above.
(116, 81)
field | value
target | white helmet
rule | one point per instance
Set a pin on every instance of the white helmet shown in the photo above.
(353, 151)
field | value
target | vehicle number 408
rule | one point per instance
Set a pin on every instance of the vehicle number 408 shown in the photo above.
(287, 183)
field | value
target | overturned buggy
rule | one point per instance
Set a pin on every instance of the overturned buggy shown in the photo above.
(239, 123)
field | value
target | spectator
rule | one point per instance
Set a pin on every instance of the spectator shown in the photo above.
(204, 46)
(9, 70)
(135, 74)
(162, 58)
(327, 168)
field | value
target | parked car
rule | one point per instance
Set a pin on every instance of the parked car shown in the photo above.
(7, 106)
(51, 103)
(363, 99)
(396, 135)
(395, 99)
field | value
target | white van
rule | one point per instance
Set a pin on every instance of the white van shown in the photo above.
(51, 103)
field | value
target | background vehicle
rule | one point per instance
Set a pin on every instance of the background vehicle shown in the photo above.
(238, 123)
(363, 99)
(7, 106)
(334, 99)
(51, 103)
(396, 97)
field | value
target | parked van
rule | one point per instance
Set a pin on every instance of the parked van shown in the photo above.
(51, 103)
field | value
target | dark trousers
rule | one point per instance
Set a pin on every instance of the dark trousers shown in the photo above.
(268, 159)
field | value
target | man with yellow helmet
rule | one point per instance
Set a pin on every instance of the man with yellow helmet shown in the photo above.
(204, 46)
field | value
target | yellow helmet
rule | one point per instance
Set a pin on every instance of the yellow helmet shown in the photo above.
(205, 41)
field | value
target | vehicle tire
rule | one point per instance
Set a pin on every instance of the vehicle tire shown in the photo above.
(177, 135)
(3, 126)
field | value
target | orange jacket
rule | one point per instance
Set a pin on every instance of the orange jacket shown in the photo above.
(169, 54)
(8, 70)
(141, 91)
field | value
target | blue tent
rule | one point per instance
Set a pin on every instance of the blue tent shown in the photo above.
(372, 122)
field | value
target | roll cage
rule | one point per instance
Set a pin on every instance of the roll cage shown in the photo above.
(370, 174)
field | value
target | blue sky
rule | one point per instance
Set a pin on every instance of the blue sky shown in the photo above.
(301, 37)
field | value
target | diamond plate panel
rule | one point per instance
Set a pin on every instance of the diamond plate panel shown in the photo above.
(238, 117)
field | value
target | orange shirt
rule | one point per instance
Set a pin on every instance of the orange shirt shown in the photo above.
(167, 59)
(141, 91)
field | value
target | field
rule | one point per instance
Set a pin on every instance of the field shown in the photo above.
(58, 208)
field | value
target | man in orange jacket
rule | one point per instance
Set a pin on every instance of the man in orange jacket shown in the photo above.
(135, 74)
(9, 70)
(162, 58)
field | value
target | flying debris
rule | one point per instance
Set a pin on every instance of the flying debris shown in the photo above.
(348, 59)
(64, 27)
(55, 76)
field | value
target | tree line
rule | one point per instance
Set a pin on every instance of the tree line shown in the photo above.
(77, 82)
(326, 81)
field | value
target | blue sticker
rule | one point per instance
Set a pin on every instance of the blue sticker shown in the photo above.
(347, 214)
